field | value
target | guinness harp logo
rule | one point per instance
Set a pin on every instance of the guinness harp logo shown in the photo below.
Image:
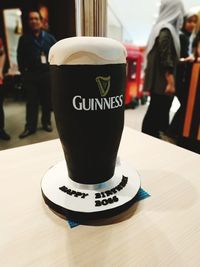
(103, 84)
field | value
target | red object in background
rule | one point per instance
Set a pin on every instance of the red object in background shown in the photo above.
(45, 16)
(134, 72)
(1, 43)
(1, 47)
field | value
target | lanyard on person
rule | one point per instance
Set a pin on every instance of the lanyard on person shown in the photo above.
(43, 58)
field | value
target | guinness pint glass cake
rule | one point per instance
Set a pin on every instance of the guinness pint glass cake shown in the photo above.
(88, 77)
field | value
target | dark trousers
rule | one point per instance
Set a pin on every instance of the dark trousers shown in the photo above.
(175, 128)
(157, 116)
(2, 119)
(37, 87)
(190, 144)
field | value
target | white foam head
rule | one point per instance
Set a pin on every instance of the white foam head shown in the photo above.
(87, 51)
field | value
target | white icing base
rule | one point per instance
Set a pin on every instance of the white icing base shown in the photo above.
(87, 51)
(91, 201)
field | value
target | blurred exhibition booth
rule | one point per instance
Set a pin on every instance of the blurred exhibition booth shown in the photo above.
(126, 21)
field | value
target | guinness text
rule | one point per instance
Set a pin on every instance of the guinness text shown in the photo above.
(103, 103)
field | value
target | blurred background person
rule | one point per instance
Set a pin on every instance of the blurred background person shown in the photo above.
(190, 22)
(32, 56)
(196, 41)
(3, 134)
(190, 128)
(162, 56)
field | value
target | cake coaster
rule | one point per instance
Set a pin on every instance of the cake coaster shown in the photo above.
(85, 202)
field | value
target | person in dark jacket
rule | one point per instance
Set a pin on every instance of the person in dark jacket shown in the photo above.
(162, 56)
(190, 21)
(32, 55)
(189, 136)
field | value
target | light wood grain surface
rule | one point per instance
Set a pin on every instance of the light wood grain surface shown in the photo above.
(162, 230)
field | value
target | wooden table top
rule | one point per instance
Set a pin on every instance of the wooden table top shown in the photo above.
(162, 230)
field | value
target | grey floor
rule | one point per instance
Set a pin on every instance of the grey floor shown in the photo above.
(15, 120)
(14, 125)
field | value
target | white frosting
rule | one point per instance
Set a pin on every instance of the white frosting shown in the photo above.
(87, 50)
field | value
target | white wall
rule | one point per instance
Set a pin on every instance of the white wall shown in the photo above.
(138, 16)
